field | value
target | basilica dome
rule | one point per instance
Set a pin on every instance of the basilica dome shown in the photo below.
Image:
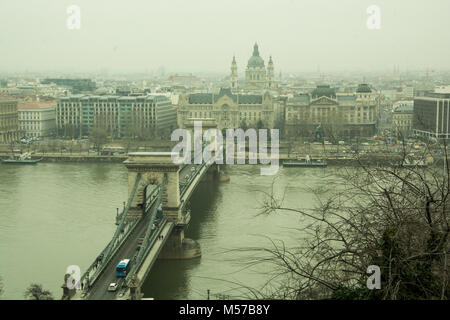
(255, 60)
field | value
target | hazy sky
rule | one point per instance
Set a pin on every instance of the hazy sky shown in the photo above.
(203, 35)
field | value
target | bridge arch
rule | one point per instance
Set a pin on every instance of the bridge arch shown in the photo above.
(153, 166)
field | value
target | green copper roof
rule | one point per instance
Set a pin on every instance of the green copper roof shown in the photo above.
(323, 90)
(209, 98)
(255, 60)
(363, 87)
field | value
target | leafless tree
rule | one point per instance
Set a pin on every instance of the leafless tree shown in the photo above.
(98, 138)
(334, 128)
(37, 292)
(390, 214)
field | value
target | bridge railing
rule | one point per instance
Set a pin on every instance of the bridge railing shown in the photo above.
(89, 278)
(120, 228)
(149, 234)
(123, 230)
(186, 185)
(144, 250)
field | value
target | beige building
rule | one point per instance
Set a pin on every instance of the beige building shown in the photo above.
(228, 110)
(9, 122)
(37, 119)
(402, 120)
(353, 114)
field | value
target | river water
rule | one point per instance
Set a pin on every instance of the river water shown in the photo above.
(58, 214)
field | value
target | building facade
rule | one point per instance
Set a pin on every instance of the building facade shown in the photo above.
(120, 116)
(257, 76)
(9, 121)
(37, 119)
(432, 115)
(228, 110)
(402, 120)
(352, 114)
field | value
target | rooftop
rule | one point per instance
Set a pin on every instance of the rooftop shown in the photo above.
(363, 88)
(37, 105)
(155, 97)
(404, 108)
(209, 98)
(323, 91)
(255, 60)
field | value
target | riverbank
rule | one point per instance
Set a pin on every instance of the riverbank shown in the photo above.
(56, 157)
(366, 159)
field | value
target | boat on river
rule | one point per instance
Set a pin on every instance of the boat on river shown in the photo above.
(306, 163)
(24, 158)
(411, 164)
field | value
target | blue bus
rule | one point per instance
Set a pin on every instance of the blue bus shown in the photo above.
(122, 268)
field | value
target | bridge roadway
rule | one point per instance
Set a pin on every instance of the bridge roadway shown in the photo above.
(99, 290)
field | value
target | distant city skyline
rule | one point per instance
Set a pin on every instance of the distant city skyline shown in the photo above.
(202, 36)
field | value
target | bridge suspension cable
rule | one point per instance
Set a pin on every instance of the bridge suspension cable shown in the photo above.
(113, 244)
(124, 214)
(148, 233)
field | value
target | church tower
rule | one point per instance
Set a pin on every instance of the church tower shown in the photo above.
(270, 74)
(234, 75)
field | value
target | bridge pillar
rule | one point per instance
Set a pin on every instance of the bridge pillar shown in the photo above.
(179, 247)
(135, 288)
(68, 293)
(153, 166)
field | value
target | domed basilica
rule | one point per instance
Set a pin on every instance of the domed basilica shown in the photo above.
(257, 76)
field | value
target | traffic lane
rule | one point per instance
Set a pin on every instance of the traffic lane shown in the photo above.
(127, 251)
(99, 290)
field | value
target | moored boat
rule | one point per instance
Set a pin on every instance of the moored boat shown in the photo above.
(411, 164)
(308, 163)
(22, 159)
(18, 161)
(304, 164)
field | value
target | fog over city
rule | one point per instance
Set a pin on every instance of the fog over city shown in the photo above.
(251, 150)
(203, 35)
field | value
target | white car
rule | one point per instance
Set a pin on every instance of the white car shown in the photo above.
(113, 286)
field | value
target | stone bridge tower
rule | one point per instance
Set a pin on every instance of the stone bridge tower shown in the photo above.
(153, 166)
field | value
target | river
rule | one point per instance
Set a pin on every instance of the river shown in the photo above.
(58, 214)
